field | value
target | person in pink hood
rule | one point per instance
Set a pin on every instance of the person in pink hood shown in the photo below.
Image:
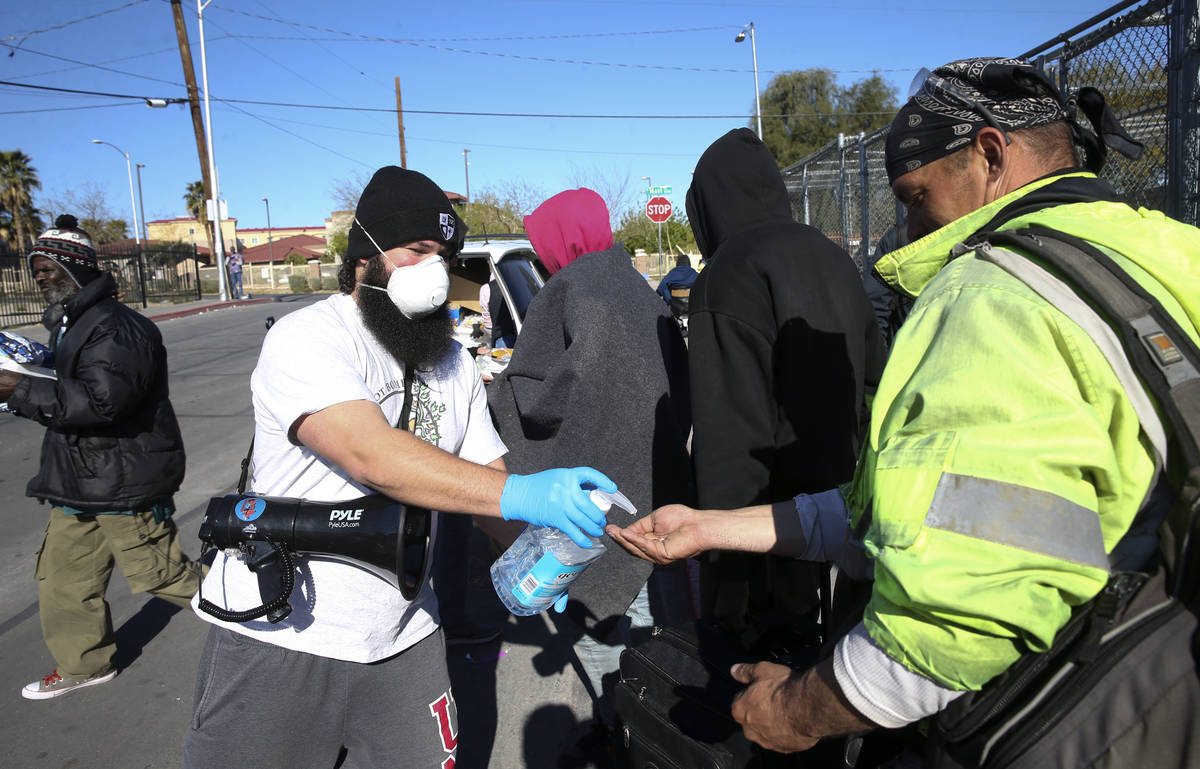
(567, 226)
(599, 377)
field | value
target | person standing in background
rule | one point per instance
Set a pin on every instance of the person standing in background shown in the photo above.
(234, 263)
(782, 348)
(112, 460)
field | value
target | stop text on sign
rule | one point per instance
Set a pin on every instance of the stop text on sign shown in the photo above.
(658, 209)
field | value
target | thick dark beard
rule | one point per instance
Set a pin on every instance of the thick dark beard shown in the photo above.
(422, 343)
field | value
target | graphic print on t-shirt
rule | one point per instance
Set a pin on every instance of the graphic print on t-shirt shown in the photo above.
(426, 411)
(427, 414)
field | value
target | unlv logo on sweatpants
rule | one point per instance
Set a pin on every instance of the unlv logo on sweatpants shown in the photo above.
(440, 708)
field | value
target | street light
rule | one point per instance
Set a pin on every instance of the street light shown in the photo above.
(467, 174)
(219, 238)
(754, 52)
(141, 203)
(132, 203)
(270, 245)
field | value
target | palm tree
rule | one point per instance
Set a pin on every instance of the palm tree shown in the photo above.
(195, 199)
(18, 179)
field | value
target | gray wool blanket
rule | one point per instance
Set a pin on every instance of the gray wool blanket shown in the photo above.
(599, 377)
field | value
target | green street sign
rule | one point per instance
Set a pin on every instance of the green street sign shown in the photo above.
(658, 190)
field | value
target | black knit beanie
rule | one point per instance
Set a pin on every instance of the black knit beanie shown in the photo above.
(400, 206)
(69, 247)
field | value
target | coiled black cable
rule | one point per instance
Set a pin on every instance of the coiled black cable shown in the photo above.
(287, 580)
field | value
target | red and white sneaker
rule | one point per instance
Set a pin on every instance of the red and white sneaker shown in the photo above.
(55, 685)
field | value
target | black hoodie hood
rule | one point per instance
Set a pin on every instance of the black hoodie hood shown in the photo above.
(736, 187)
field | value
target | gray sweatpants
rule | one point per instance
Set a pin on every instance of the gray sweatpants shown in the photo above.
(260, 705)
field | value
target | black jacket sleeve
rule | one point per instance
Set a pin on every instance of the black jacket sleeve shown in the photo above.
(101, 380)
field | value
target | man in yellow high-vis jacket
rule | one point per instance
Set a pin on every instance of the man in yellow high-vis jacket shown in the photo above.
(1008, 471)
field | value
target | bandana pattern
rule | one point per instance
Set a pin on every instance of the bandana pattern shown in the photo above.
(948, 111)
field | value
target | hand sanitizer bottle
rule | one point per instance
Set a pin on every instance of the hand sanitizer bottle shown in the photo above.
(543, 562)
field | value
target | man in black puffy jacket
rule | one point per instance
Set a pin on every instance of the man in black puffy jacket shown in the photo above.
(111, 462)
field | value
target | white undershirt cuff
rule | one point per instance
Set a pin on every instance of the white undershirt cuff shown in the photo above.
(882, 689)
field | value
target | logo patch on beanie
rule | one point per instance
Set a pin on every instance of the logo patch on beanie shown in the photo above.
(447, 222)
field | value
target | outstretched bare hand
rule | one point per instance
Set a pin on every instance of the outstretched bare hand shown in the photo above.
(670, 533)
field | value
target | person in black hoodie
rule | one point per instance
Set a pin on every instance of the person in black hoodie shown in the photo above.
(111, 462)
(782, 343)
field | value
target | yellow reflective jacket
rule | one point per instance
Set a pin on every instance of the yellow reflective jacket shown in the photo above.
(1004, 459)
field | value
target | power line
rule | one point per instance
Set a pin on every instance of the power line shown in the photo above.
(305, 139)
(573, 36)
(425, 43)
(85, 65)
(67, 109)
(91, 93)
(460, 142)
(334, 55)
(815, 7)
(461, 113)
(27, 35)
(277, 63)
(13, 49)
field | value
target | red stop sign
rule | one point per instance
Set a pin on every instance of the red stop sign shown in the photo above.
(658, 209)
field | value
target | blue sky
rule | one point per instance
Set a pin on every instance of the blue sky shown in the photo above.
(604, 57)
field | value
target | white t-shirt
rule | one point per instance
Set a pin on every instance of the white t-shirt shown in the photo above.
(311, 359)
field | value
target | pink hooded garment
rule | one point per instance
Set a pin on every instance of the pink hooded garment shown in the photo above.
(567, 226)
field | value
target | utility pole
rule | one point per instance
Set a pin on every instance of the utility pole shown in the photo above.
(270, 244)
(141, 205)
(189, 76)
(400, 125)
(215, 199)
(467, 174)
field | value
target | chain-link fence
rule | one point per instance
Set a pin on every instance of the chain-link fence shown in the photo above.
(1145, 62)
(842, 190)
(143, 276)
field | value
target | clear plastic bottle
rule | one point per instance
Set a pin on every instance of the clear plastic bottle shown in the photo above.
(543, 562)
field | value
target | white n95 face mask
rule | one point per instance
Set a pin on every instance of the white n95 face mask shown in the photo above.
(418, 289)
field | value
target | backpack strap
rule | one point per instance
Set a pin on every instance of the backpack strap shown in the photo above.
(1166, 361)
(1152, 357)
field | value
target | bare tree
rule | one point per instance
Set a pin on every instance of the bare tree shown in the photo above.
(345, 192)
(502, 208)
(89, 204)
(610, 183)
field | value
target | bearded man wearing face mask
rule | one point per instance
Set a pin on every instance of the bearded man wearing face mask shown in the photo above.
(365, 392)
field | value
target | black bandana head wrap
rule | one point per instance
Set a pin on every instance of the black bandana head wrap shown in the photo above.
(962, 97)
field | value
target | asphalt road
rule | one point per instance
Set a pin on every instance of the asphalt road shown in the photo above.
(520, 702)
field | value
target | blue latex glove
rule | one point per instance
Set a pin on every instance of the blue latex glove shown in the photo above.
(557, 498)
(25, 351)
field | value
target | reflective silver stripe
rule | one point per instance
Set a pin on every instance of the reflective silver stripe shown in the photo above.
(1018, 516)
(1068, 302)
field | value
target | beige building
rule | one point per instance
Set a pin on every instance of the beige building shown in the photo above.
(338, 221)
(188, 230)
